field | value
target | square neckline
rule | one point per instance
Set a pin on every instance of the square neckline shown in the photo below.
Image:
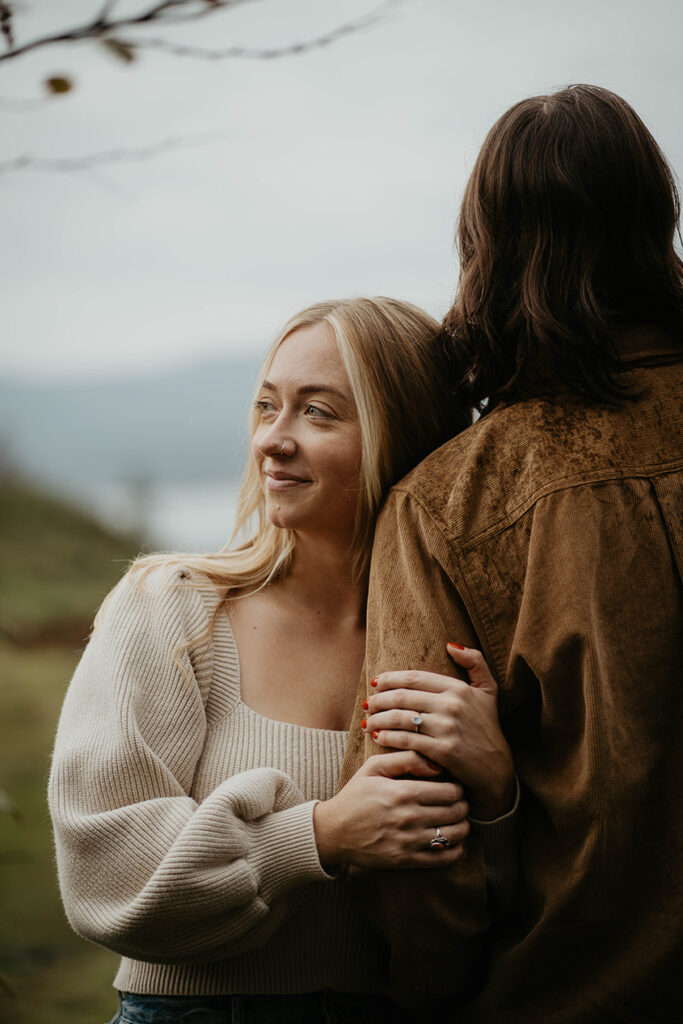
(240, 702)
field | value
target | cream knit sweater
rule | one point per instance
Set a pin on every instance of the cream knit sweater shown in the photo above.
(184, 820)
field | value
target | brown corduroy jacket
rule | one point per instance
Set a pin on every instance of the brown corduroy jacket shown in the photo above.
(550, 535)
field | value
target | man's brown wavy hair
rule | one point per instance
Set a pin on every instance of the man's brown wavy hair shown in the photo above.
(566, 234)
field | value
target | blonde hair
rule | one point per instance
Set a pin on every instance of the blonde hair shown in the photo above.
(397, 371)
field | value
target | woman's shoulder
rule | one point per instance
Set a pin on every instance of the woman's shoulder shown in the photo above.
(158, 572)
(157, 626)
(160, 589)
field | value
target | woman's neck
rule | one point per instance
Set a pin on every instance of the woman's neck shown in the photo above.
(321, 581)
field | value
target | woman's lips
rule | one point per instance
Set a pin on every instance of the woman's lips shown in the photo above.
(283, 482)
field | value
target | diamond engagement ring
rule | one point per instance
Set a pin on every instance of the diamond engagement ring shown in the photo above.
(439, 842)
(417, 721)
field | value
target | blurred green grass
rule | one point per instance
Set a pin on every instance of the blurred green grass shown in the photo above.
(56, 565)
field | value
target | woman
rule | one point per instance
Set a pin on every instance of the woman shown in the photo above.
(193, 788)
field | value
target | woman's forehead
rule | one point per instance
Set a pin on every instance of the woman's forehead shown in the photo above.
(309, 355)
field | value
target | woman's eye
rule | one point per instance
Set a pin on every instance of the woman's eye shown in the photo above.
(314, 412)
(263, 405)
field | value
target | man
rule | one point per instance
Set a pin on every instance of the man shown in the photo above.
(550, 535)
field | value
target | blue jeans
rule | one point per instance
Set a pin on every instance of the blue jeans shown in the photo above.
(305, 1008)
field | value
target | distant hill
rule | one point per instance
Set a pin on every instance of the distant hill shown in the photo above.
(185, 424)
(56, 566)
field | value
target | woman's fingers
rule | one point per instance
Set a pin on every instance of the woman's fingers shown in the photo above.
(436, 794)
(475, 665)
(405, 721)
(409, 700)
(410, 679)
(397, 689)
(444, 719)
(418, 824)
(387, 814)
(419, 743)
(396, 766)
(430, 858)
(453, 815)
(418, 819)
(398, 763)
(455, 834)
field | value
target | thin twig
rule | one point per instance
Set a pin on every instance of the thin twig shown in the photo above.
(103, 25)
(272, 53)
(110, 156)
(166, 12)
(208, 7)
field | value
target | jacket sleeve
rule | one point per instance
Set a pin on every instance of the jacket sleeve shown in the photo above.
(144, 868)
(415, 606)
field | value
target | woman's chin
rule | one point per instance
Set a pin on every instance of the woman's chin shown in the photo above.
(276, 517)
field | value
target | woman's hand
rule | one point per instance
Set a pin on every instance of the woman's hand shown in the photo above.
(460, 728)
(381, 820)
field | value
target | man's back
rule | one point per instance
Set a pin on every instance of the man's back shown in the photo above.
(550, 534)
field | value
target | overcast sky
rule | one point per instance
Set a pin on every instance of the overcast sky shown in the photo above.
(333, 173)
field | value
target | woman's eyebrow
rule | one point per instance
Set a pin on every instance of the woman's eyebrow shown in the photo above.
(309, 389)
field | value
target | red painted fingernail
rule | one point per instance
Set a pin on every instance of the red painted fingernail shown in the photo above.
(365, 705)
(459, 646)
(375, 735)
(363, 723)
(373, 682)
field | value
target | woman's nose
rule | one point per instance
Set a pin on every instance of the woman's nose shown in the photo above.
(276, 441)
(282, 450)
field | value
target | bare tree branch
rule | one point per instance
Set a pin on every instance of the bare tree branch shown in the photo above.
(103, 25)
(208, 7)
(247, 53)
(175, 12)
(166, 12)
(110, 156)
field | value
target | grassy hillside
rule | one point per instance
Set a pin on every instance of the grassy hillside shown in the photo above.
(56, 565)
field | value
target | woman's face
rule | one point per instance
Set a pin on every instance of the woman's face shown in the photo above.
(306, 405)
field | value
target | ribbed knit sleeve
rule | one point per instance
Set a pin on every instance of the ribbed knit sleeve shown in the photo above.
(144, 868)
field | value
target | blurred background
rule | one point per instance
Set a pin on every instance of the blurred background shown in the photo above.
(170, 195)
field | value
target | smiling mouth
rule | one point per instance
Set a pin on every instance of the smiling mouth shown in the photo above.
(283, 482)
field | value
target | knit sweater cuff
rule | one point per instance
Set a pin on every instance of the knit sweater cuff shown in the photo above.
(499, 838)
(499, 841)
(283, 853)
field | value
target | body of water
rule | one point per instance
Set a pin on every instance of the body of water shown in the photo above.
(177, 516)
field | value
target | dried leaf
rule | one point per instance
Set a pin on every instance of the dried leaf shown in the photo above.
(58, 84)
(119, 48)
(6, 23)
